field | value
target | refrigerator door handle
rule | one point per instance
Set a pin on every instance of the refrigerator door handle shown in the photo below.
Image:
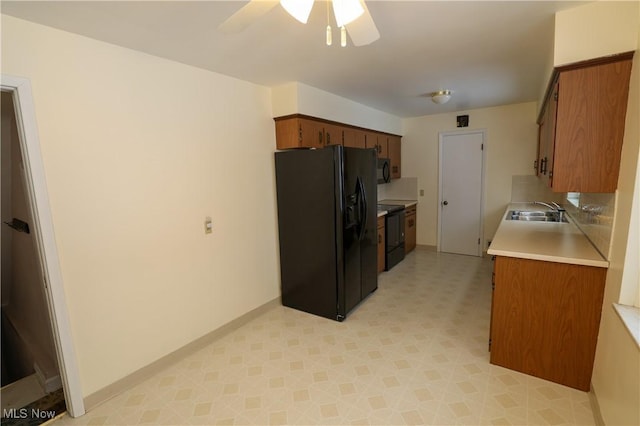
(363, 209)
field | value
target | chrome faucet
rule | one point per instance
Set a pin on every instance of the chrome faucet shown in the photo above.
(555, 207)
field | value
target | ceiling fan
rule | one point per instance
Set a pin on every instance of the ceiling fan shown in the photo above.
(353, 15)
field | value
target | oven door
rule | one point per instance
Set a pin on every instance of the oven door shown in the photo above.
(394, 235)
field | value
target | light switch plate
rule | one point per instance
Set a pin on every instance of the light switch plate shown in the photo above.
(208, 225)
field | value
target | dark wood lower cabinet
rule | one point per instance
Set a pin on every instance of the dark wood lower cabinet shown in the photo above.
(545, 318)
(410, 229)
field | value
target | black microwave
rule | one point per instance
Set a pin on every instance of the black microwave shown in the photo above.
(384, 170)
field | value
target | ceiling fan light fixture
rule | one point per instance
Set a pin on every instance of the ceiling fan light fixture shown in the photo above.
(441, 96)
(346, 11)
(299, 9)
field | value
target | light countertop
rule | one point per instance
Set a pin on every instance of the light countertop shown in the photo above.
(547, 241)
(405, 203)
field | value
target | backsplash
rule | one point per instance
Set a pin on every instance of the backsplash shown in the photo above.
(530, 188)
(399, 189)
(593, 215)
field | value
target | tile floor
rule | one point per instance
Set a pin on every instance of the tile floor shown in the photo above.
(415, 352)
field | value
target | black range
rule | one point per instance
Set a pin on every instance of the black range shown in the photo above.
(394, 234)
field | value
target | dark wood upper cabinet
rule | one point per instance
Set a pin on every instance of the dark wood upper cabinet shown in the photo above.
(354, 138)
(394, 150)
(332, 134)
(301, 131)
(378, 141)
(582, 125)
(298, 132)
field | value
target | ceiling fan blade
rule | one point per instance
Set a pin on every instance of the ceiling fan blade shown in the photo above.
(363, 30)
(247, 15)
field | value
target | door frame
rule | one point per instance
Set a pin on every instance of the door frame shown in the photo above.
(44, 238)
(441, 136)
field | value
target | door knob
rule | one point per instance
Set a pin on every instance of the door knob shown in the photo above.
(445, 203)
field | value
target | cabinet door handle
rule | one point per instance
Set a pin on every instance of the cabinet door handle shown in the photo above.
(320, 137)
(543, 166)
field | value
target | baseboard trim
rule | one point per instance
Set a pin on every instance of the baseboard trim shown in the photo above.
(595, 407)
(137, 377)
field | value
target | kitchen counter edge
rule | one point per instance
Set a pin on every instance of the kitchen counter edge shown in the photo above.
(549, 242)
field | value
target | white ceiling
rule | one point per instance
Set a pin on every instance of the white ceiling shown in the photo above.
(487, 53)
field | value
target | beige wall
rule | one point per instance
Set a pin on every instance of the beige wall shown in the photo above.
(300, 98)
(510, 150)
(596, 29)
(137, 151)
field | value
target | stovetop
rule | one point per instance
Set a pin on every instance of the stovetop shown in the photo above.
(390, 207)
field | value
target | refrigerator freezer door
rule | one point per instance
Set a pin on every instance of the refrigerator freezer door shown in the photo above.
(307, 223)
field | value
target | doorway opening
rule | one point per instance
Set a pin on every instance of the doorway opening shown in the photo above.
(30, 373)
(38, 357)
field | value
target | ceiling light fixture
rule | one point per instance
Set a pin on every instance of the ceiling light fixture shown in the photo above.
(441, 96)
(345, 11)
(299, 9)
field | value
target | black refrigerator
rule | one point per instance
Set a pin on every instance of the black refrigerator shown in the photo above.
(327, 225)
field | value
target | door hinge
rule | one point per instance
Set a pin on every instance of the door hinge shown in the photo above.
(478, 240)
(489, 345)
(481, 147)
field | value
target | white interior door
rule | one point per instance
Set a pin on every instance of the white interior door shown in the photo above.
(461, 192)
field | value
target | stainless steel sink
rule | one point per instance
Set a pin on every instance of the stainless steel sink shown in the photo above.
(535, 216)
